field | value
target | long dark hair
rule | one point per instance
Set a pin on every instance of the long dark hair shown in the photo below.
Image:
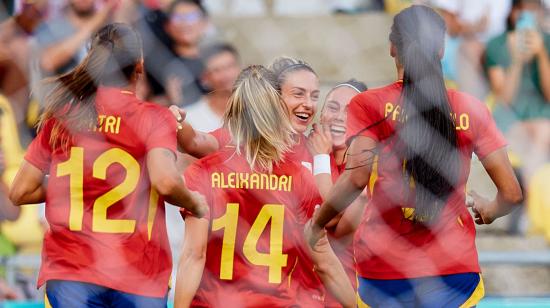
(111, 61)
(427, 137)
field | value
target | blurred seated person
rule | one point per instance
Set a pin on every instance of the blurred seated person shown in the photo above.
(7, 210)
(15, 36)
(518, 66)
(470, 24)
(26, 232)
(175, 78)
(222, 67)
(61, 42)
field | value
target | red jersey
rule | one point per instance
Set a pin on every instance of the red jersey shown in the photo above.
(388, 245)
(256, 240)
(313, 290)
(107, 226)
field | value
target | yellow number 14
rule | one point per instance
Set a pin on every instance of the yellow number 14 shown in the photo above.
(275, 260)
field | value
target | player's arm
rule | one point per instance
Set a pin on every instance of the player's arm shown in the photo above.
(192, 261)
(330, 271)
(351, 218)
(351, 183)
(29, 186)
(165, 179)
(191, 141)
(509, 192)
(196, 143)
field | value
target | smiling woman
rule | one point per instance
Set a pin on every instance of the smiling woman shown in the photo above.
(299, 89)
(334, 113)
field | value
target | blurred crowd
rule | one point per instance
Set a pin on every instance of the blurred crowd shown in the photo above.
(498, 51)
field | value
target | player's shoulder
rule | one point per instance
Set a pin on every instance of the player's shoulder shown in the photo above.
(379, 95)
(461, 101)
(152, 107)
(223, 158)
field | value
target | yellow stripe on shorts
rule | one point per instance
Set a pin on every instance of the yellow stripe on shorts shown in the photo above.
(477, 295)
(46, 301)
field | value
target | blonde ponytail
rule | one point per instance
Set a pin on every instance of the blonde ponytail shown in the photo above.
(258, 119)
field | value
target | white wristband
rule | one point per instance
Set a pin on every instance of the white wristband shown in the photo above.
(321, 164)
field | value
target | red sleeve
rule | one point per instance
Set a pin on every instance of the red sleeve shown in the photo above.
(39, 152)
(163, 130)
(196, 179)
(487, 137)
(363, 116)
(222, 135)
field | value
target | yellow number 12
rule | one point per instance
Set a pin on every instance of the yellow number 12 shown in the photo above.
(74, 168)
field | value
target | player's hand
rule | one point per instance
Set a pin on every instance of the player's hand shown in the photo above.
(482, 208)
(334, 222)
(320, 140)
(313, 233)
(316, 238)
(179, 114)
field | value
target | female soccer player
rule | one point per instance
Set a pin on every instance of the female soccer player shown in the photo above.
(332, 130)
(251, 243)
(299, 86)
(111, 163)
(415, 246)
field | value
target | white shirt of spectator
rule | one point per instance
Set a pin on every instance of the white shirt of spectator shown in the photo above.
(472, 11)
(202, 118)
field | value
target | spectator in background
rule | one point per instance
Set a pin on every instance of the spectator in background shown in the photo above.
(470, 24)
(7, 210)
(222, 67)
(179, 74)
(15, 34)
(518, 66)
(62, 41)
